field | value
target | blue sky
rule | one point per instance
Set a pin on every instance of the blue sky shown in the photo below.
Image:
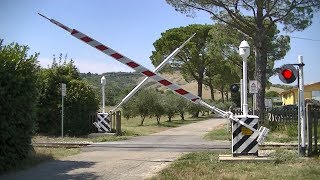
(128, 26)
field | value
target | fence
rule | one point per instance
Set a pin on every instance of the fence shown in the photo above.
(280, 115)
(313, 116)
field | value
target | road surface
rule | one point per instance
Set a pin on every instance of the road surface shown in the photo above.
(137, 158)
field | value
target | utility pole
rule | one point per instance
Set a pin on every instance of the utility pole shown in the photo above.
(103, 83)
(302, 117)
(63, 93)
(244, 52)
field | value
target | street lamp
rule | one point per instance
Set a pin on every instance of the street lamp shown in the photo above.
(244, 52)
(103, 83)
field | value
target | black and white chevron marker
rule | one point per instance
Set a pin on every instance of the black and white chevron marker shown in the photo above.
(103, 122)
(244, 140)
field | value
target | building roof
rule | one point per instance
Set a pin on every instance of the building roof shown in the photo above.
(296, 88)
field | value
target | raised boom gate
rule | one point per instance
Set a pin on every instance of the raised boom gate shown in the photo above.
(257, 135)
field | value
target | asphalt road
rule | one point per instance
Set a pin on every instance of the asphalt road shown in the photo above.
(137, 158)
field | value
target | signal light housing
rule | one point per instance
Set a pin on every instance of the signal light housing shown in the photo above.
(234, 88)
(288, 73)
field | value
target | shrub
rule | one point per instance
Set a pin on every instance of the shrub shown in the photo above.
(18, 97)
(80, 100)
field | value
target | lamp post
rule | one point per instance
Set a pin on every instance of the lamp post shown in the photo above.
(103, 83)
(244, 52)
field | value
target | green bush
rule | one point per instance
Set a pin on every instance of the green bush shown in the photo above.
(18, 97)
(80, 101)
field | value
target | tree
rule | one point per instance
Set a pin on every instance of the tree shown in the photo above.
(182, 107)
(157, 107)
(272, 94)
(192, 59)
(171, 104)
(18, 98)
(294, 15)
(79, 102)
(144, 102)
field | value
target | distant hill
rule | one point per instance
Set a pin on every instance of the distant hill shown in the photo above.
(119, 84)
(121, 79)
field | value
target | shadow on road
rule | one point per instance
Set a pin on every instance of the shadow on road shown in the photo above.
(55, 170)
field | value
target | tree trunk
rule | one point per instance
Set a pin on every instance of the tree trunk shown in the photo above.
(142, 120)
(260, 43)
(169, 118)
(260, 73)
(158, 120)
(200, 83)
(211, 91)
(227, 95)
(222, 93)
(182, 116)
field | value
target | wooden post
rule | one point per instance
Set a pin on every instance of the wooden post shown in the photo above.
(118, 123)
(309, 129)
(113, 122)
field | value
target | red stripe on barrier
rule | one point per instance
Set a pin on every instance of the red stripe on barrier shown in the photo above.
(181, 91)
(148, 73)
(86, 39)
(194, 99)
(74, 32)
(101, 47)
(132, 64)
(117, 56)
(165, 82)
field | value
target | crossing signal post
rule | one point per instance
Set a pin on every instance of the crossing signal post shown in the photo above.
(288, 74)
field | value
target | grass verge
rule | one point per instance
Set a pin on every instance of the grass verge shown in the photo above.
(222, 132)
(130, 128)
(41, 154)
(205, 165)
(282, 134)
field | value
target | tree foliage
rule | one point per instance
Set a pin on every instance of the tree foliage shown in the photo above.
(153, 103)
(259, 26)
(118, 84)
(80, 100)
(18, 98)
(272, 94)
(192, 59)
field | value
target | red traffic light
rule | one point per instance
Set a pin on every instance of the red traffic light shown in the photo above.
(288, 73)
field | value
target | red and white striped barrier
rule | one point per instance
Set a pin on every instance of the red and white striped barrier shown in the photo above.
(127, 61)
(261, 133)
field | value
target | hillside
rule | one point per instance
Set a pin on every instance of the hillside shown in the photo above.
(119, 84)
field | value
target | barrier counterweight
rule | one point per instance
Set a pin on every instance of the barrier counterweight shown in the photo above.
(244, 140)
(104, 123)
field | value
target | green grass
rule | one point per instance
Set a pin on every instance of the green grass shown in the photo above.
(130, 128)
(283, 133)
(220, 133)
(205, 165)
(150, 125)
